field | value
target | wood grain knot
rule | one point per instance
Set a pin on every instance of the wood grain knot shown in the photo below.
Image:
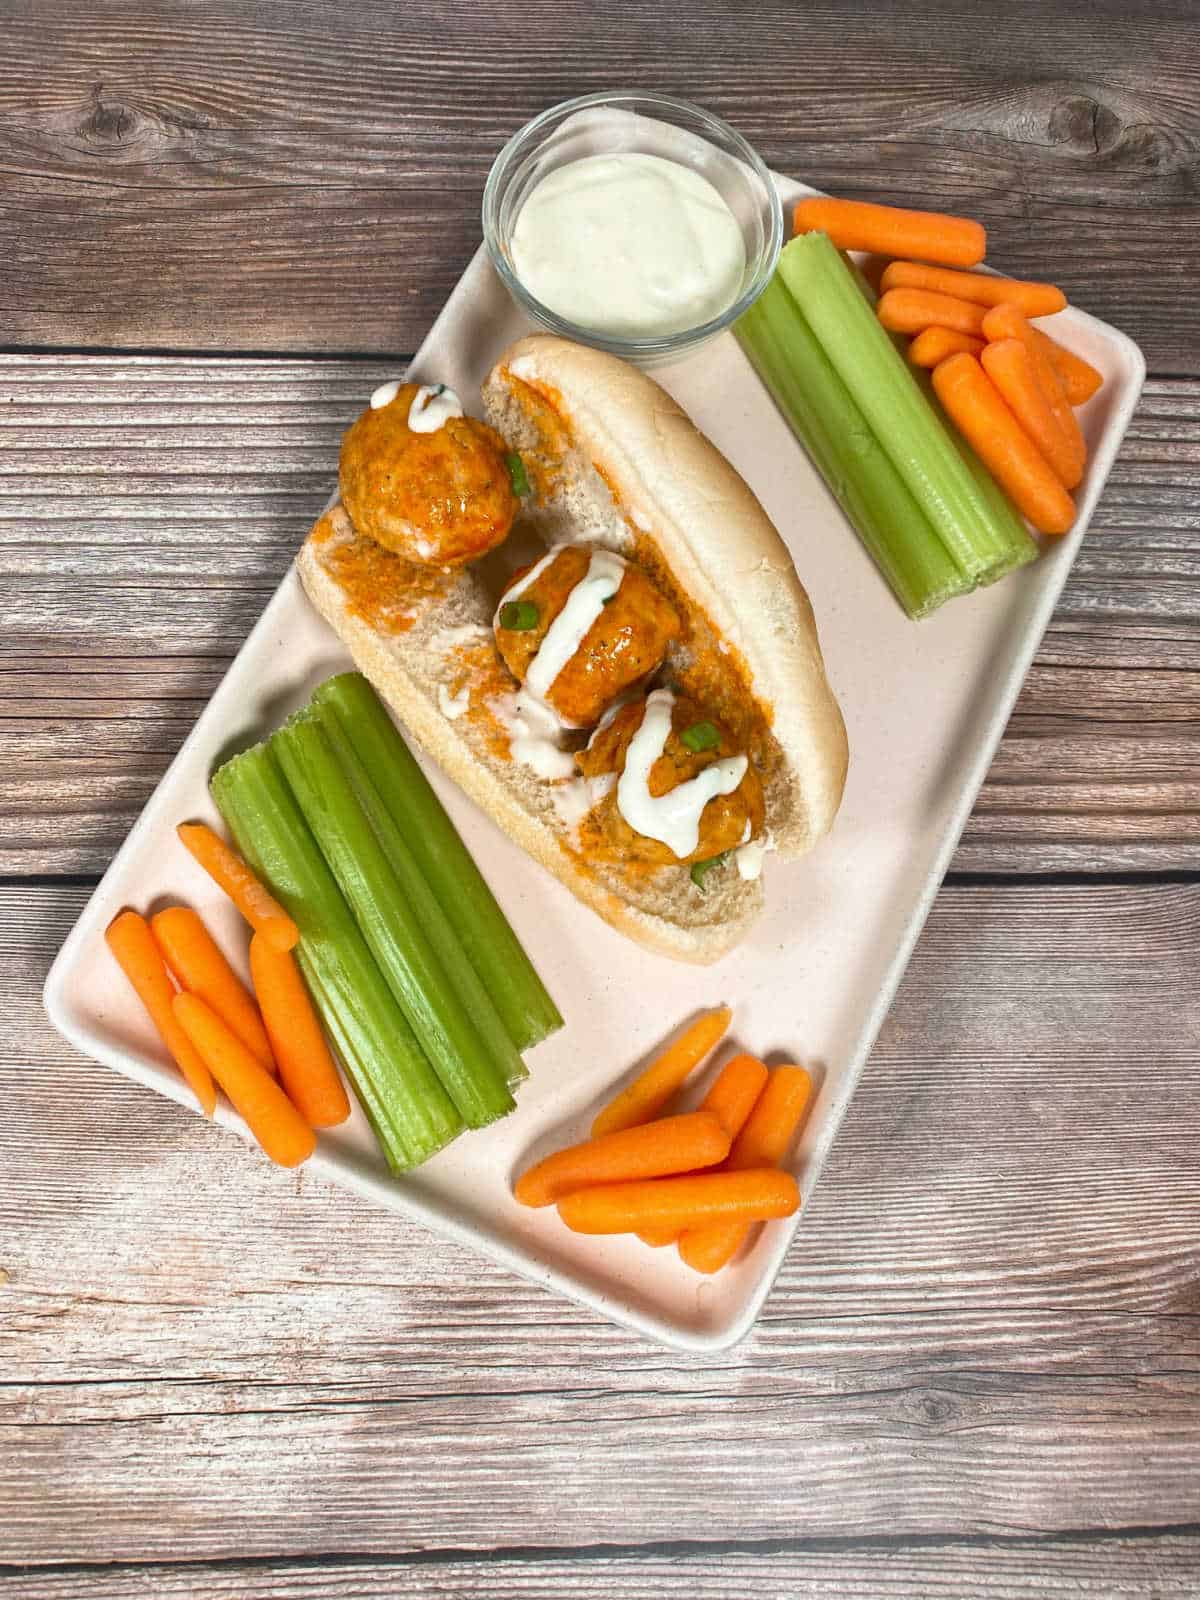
(109, 122)
(1085, 124)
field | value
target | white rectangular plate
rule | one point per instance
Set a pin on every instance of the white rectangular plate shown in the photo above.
(925, 705)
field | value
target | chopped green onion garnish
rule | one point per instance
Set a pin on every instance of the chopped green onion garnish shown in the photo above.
(519, 615)
(701, 736)
(516, 471)
(701, 869)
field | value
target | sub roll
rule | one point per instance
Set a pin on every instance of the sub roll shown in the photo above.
(631, 684)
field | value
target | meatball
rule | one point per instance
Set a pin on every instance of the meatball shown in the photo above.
(437, 498)
(727, 820)
(625, 643)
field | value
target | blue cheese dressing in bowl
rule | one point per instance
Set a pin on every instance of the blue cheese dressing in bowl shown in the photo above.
(633, 222)
(630, 245)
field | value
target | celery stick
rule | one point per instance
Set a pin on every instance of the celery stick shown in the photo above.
(981, 534)
(858, 472)
(1021, 547)
(410, 1111)
(492, 947)
(425, 905)
(471, 1075)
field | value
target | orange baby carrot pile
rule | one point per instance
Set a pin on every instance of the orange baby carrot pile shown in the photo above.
(196, 960)
(763, 1142)
(215, 1031)
(1014, 406)
(668, 1179)
(131, 942)
(256, 1097)
(975, 406)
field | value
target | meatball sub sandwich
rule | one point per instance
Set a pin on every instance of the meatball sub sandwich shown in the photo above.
(630, 682)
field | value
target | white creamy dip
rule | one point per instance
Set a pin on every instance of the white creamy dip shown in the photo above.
(629, 244)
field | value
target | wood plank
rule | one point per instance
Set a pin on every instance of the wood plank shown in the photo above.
(262, 178)
(1162, 1567)
(148, 507)
(989, 1323)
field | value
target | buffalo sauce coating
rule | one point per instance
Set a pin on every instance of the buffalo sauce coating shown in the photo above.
(443, 497)
(726, 821)
(709, 669)
(625, 643)
(382, 588)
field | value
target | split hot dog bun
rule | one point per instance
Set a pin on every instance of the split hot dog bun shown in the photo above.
(614, 465)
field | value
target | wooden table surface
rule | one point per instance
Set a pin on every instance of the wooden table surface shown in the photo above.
(220, 225)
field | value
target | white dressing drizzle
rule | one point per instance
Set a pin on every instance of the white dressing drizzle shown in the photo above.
(525, 580)
(566, 633)
(574, 799)
(749, 857)
(386, 393)
(432, 407)
(672, 818)
(533, 735)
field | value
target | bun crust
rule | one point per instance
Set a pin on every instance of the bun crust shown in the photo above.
(626, 464)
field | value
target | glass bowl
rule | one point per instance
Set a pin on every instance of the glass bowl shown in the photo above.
(650, 124)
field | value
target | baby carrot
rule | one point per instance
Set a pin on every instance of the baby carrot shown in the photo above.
(1034, 299)
(649, 1150)
(911, 310)
(1079, 378)
(663, 1202)
(255, 1096)
(763, 1142)
(932, 345)
(307, 1070)
(645, 1097)
(893, 231)
(226, 868)
(734, 1091)
(199, 967)
(1009, 322)
(1010, 455)
(731, 1097)
(131, 942)
(1008, 364)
